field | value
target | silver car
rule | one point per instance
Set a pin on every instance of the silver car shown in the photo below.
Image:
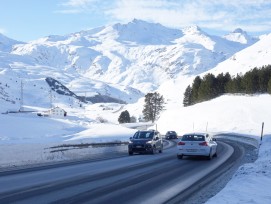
(197, 144)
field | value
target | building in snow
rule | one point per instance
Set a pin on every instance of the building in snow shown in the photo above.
(58, 112)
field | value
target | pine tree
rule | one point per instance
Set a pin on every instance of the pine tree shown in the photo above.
(269, 86)
(235, 85)
(195, 88)
(153, 106)
(264, 76)
(208, 88)
(250, 81)
(222, 81)
(124, 117)
(187, 100)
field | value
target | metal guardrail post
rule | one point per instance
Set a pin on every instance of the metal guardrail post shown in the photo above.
(262, 131)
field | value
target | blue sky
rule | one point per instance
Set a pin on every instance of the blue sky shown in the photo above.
(27, 20)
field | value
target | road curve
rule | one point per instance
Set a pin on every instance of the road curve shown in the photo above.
(158, 178)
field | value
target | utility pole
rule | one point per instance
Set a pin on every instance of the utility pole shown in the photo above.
(51, 98)
(22, 97)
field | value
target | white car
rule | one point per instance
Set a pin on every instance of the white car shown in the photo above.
(197, 144)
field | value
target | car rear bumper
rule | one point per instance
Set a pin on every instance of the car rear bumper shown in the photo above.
(199, 152)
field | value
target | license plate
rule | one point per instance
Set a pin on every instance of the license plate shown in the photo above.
(191, 150)
(138, 146)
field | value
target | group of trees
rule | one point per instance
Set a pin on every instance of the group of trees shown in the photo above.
(209, 87)
(154, 104)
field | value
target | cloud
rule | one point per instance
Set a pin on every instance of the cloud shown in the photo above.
(78, 3)
(253, 15)
(225, 15)
(81, 6)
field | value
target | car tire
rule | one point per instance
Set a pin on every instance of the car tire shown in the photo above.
(179, 156)
(153, 150)
(215, 155)
(131, 153)
(210, 155)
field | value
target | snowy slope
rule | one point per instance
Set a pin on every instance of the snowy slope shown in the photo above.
(256, 55)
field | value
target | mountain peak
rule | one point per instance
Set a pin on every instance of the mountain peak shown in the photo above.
(239, 30)
(241, 36)
(192, 29)
(7, 43)
(143, 32)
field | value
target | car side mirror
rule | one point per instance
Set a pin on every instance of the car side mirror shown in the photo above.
(156, 138)
(131, 138)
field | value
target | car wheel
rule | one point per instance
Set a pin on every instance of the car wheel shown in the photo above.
(131, 153)
(153, 150)
(161, 149)
(215, 155)
(179, 156)
(210, 155)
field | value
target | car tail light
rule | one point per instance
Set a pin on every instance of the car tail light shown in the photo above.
(181, 143)
(203, 144)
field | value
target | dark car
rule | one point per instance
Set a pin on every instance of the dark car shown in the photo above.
(148, 141)
(171, 135)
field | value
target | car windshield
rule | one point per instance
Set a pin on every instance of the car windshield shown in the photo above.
(193, 138)
(143, 135)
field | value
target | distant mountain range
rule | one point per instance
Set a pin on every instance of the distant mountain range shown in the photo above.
(122, 61)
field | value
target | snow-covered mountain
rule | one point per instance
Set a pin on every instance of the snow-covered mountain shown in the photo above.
(241, 36)
(256, 55)
(7, 43)
(122, 61)
(138, 54)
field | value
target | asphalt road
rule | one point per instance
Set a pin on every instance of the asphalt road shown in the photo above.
(159, 178)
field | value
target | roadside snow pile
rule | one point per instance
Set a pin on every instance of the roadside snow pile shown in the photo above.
(26, 139)
(252, 182)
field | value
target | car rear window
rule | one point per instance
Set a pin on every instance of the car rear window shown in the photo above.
(193, 138)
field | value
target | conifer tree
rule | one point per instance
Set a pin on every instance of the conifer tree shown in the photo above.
(187, 100)
(269, 86)
(208, 88)
(124, 117)
(154, 104)
(195, 88)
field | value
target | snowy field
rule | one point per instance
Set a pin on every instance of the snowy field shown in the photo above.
(26, 139)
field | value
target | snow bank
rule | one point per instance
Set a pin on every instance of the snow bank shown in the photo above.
(252, 182)
(228, 113)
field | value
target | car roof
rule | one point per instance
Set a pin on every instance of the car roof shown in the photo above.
(197, 133)
(147, 131)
